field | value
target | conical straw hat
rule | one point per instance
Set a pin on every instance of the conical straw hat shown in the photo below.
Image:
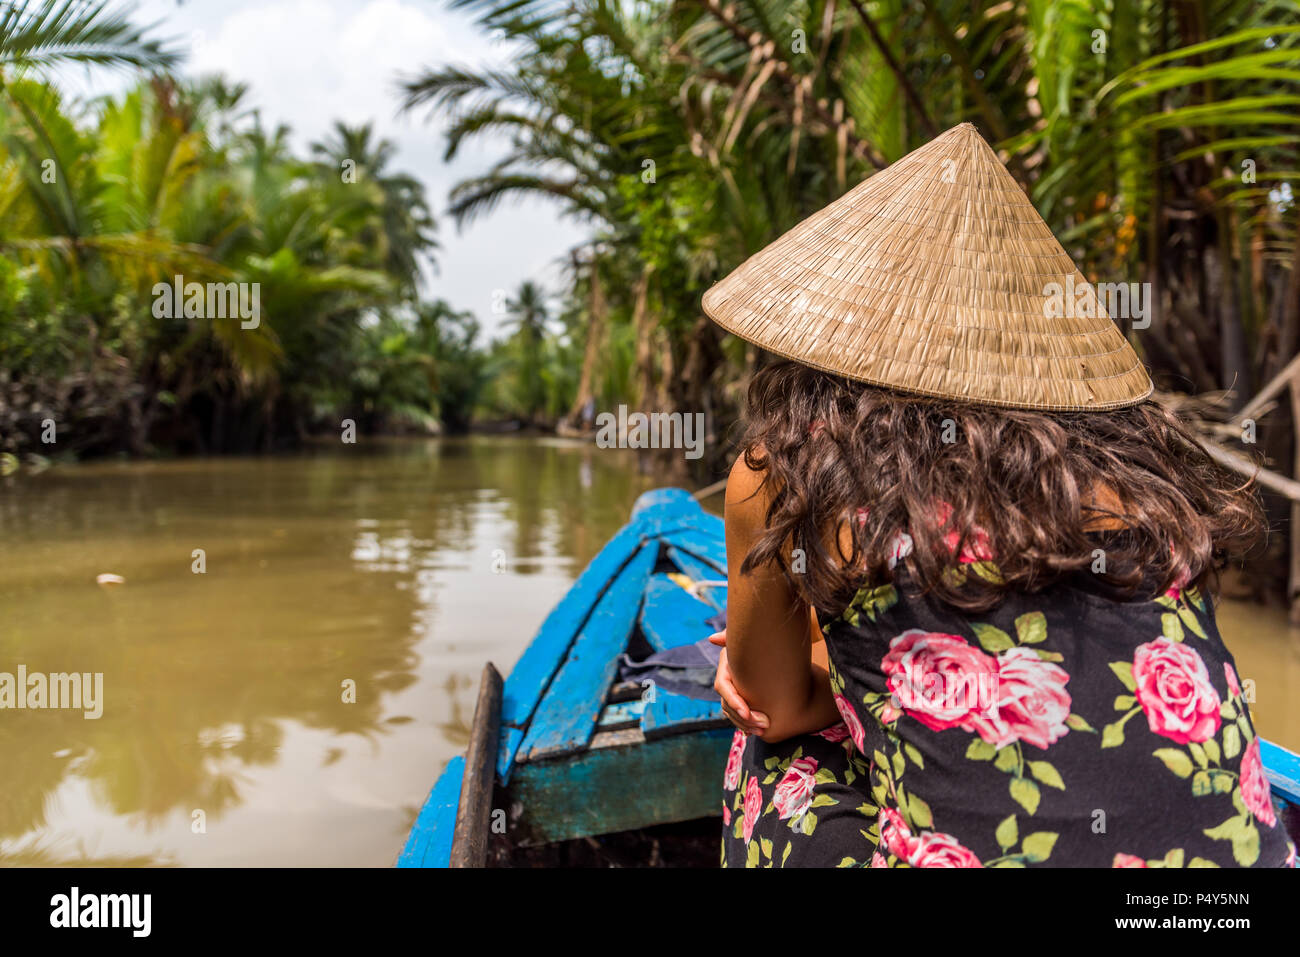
(934, 277)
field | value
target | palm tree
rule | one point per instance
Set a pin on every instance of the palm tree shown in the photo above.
(39, 35)
(528, 316)
(404, 226)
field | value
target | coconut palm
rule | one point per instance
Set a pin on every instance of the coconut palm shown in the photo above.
(403, 228)
(39, 35)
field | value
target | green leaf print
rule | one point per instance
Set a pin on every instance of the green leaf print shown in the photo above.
(1214, 781)
(1008, 758)
(1007, 833)
(1201, 784)
(980, 750)
(1031, 628)
(919, 811)
(1231, 741)
(1047, 774)
(751, 854)
(1198, 753)
(1026, 793)
(914, 755)
(871, 602)
(1124, 701)
(1124, 672)
(1174, 760)
(1038, 846)
(1188, 618)
(1112, 736)
(987, 571)
(1076, 723)
(1245, 846)
(1171, 627)
(994, 640)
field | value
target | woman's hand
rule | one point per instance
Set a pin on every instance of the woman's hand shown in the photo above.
(733, 705)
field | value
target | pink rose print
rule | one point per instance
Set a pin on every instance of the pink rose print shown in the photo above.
(1234, 686)
(895, 834)
(942, 850)
(1174, 690)
(835, 733)
(726, 814)
(1255, 792)
(878, 860)
(794, 792)
(1032, 702)
(851, 723)
(1128, 860)
(935, 678)
(753, 805)
(1175, 590)
(1290, 858)
(977, 542)
(734, 760)
(899, 548)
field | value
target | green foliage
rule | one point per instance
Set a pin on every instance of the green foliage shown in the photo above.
(106, 206)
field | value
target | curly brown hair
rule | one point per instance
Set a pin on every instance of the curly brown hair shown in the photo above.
(845, 461)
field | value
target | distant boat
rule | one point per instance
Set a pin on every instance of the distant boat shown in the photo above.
(563, 752)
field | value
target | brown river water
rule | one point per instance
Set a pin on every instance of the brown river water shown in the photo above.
(395, 568)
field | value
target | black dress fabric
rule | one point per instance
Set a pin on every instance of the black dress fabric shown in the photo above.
(1063, 728)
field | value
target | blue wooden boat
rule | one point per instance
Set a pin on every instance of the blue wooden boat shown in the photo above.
(564, 752)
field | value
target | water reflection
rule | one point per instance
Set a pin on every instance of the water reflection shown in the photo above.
(226, 737)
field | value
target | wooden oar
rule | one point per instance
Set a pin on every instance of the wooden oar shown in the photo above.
(469, 844)
(718, 486)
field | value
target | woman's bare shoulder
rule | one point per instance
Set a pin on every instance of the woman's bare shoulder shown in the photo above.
(747, 497)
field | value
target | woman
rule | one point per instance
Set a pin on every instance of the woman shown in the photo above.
(1005, 546)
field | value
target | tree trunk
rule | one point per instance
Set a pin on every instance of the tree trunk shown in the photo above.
(586, 397)
(644, 324)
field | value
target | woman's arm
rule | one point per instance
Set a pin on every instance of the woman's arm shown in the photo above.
(769, 629)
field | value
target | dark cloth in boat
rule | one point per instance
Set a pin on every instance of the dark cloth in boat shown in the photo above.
(1061, 728)
(685, 670)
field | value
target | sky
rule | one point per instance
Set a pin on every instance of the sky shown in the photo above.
(310, 62)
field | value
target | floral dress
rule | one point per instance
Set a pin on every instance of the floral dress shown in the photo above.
(1063, 728)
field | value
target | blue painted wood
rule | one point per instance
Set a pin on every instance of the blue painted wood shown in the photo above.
(701, 571)
(712, 551)
(544, 655)
(1282, 768)
(662, 502)
(622, 713)
(698, 522)
(674, 713)
(429, 843)
(566, 716)
(670, 616)
(604, 790)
